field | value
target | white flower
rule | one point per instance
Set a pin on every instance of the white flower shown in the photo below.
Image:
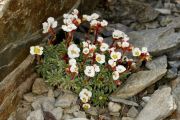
(104, 23)
(72, 61)
(115, 75)
(100, 39)
(125, 44)
(75, 12)
(112, 63)
(51, 23)
(36, 50)
(85, 92)
(86, 51)
(119, 44)
(96, 68)
(87, 17)
(115, 55)
(89, 71)
(94, 16)
(117, 34)
(67, 21)
(74, 69)
(73, 51)
(66, 16)
(112, 49)
(126, 38)
(136, 52)
(120, 68)
(85, 44)
(144, 50)
(94, 22)
(104, 47)
(69, 27)
(84, 98)
(100, 58)
(92, 47)
(86, 106)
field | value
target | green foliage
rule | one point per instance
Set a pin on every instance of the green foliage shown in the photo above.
(53, 71)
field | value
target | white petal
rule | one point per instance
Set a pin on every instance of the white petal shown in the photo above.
(54, 24)
(50, 20)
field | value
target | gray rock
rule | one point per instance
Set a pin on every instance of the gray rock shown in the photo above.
(175, 64)
(146, 99)
(67, 117)
(78, 119)
(163, 11)
(74, 108)
(48, 106)
(115, 114)
(79, 114)
(158, 41)
(29, 97)
(36, 115)
(114, 107)
(127, 118)
(172, 73)
(66, 100)
(175, 55)
(133, 112)
(160, 106)
(176, 94)
(57, 112)
(123, 101)
(39, 86)
(43, 102)
(92, 111)
(138, 82)
(158, 63)
(165, 20)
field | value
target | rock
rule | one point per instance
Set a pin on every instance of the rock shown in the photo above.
(163, 11)
(78, 119)
(123, 101)
(160, 106)
(39, 87)
(36, 115)
(92, 111)
(175, 64)
(175, 55)
(66, 100)
(74, 108)
(29, 97)
(146, 99)
(165, 20)
(43, 102)
(67, 117)
(26, 31)
(158, 63)
(113, 107)
(23, 110)
(107, 32)
(172, 73)
(127, 118)
(158, 41)
(116, 114)
(50, 93)
(57, 112)
(79, 114)
(138, 82)
(133, 112)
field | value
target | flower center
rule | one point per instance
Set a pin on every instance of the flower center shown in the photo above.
(114, 56)
(36, 50)
(98, 59)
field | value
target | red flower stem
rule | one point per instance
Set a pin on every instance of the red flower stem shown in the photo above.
(96, 35)
(112, 43)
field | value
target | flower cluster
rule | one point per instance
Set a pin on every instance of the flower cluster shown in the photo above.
(85, 96)
(93, 63)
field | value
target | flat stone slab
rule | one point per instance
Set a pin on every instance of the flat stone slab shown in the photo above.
(138, 82)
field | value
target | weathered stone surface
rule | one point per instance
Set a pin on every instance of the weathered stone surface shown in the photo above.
(123, 101)
(175, 64)
(29, 97)
(57, 112)
(39, 87)
(176, 94)
(11, 99)
(158, 63)
(163, 11)
(160, 106)
(133, 112)
(79, 114)
(36, 115)
(158, 41)
(175, 55)
(138, 82)
(21, 23)
(66, 100)
(114, 107)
